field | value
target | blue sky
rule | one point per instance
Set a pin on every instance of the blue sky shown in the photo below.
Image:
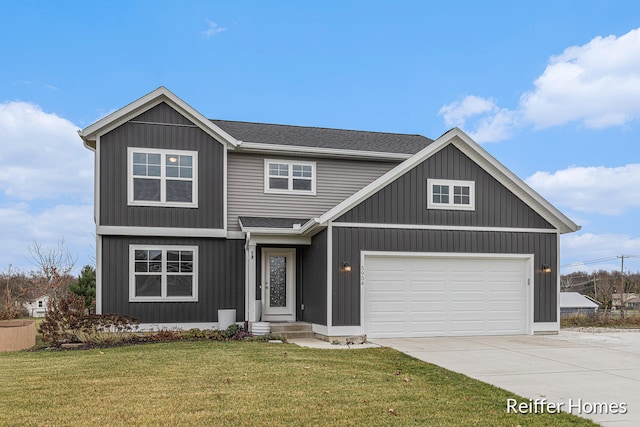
(551, 89)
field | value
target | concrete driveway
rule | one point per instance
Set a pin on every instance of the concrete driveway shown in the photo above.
(588, 373)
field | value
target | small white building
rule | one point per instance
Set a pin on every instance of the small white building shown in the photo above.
(575, 302)
(38, 306)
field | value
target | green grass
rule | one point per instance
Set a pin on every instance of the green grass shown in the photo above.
(238, 383)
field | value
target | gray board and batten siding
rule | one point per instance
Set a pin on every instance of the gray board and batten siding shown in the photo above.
(348, 243)
(404, 201)
(314, 280)
(164, 128)
(220, 280)
(336, 179)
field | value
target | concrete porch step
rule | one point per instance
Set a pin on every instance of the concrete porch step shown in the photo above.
(294, 335)
(292, 330)
(290, 327)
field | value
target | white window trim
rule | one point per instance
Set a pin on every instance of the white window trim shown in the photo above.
(164, 249)
(268, 190)
(163, 178)
(451, 206)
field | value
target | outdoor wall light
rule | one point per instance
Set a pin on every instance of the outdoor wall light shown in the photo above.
(346, 266)
(545, 268)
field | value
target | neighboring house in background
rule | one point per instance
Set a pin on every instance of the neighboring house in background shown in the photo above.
(37, 307)
(631, 301)
(389, 235)
(576, 303)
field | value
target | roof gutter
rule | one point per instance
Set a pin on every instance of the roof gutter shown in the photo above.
(259, 147)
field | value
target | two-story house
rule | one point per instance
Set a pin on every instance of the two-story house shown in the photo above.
(389, 235)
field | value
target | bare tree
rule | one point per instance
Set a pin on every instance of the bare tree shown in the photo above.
(566, 283)
(16, 288)
(54, 264)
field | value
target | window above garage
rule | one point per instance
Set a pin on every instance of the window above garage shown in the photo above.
(451, 194)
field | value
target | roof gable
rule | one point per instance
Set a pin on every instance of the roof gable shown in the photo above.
(146, 103)
(481, 157)
(406, 199)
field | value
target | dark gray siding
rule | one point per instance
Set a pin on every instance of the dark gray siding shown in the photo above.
(162, 113)
(175, 135)
(404, 201)
(220, 280)
(348, 242)
(314, 280)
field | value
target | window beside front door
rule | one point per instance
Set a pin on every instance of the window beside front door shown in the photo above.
(451, 194)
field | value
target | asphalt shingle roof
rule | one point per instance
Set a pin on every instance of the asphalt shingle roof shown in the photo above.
(263, 222)
(324, 137)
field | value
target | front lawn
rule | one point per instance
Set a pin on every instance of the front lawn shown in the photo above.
(246, 383)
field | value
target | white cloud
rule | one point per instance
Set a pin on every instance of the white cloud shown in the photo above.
(456, 113)
(46, 184)
(22, 227)
(603, 190)
(596, 84)
(491, 123)
(213, 29)
(41, 155)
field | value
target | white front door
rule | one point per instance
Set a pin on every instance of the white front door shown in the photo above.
(278, 284)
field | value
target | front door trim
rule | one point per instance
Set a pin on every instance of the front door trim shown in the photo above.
(279, 314)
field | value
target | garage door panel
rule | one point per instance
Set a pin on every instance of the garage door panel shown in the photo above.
(428, 296)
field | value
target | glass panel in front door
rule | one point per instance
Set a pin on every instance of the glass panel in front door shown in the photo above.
(277, 281)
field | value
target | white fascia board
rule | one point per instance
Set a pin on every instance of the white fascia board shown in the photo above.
(148, 101)
(443, 227)
(271, 231)
(385, 179)
(512, 182)
(258, 147)
(277, 240)
(112, 230)
(463, 142)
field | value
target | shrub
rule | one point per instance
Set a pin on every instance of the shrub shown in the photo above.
(67, 321)
(62, 315)
(602, 319)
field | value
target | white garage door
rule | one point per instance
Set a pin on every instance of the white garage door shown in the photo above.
(433, 296)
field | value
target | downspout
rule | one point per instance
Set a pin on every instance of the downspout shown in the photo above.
(247, 257)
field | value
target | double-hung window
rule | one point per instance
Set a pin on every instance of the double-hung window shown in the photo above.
(451, 194)
(163, 273)
(285, 176)
(162, 177)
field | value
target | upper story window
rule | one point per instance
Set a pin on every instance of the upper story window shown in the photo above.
(284, 176)
(450, 194)
(162, 177)
(163, 273)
